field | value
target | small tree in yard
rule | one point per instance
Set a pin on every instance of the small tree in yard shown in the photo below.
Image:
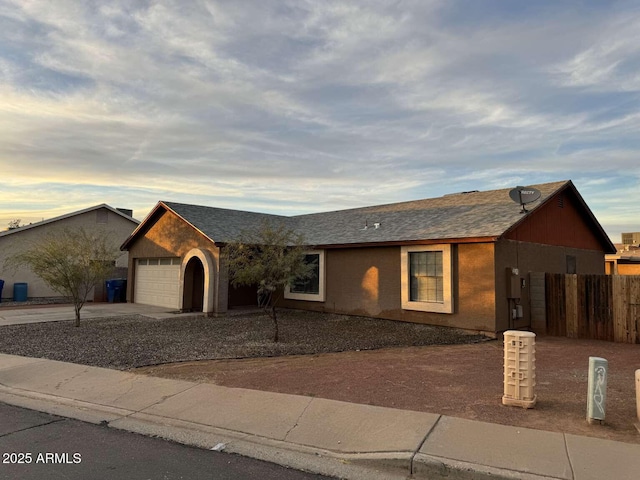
(15, 223)
(270, 257)
(71, 262)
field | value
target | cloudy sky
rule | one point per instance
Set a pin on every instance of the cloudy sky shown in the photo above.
(301, 106)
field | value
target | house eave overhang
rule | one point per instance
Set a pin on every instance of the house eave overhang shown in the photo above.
(400, 243)
(627, 260)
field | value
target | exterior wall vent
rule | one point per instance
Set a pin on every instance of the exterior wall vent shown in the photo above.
(102, 216)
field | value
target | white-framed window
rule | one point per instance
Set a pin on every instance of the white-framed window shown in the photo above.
(426, 278)
(311, 289)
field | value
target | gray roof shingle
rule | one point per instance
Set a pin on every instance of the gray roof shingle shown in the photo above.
(457, 216)
(220, 224)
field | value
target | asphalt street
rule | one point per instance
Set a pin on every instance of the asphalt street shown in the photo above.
(36, 445)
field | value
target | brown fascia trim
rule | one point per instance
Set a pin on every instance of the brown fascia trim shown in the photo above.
(401, 243)
(397, 243)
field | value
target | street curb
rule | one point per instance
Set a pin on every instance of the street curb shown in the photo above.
(429, 466)
(357, 466)
(62, 406)
(391, 465)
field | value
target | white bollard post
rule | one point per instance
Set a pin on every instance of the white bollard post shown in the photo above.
(597, 390)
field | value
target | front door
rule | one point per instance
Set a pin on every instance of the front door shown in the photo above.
(193, 299)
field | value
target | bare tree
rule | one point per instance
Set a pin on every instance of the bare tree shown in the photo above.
(271, 257)
(71, 262)
(15, 223)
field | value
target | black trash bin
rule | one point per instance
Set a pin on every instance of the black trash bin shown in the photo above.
(1, 285)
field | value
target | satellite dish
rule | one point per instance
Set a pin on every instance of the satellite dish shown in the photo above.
(524, 195)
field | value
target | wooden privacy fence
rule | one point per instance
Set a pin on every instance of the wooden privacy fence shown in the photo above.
(599, 307)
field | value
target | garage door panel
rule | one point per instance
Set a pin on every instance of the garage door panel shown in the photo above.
(158, 284)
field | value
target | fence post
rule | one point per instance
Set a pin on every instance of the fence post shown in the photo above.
(638, 399)
(571, 302)
(538, 302)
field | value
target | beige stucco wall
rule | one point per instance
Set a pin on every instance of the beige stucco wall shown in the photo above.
(366, 281)
(118, 227)
(535, 257)
(169, 236)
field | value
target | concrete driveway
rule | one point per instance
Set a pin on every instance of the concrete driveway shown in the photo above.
(56, 313)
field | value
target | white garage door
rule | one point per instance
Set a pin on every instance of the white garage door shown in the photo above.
(158, 282)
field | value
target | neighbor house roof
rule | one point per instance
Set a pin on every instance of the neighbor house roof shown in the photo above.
(65, 216)
(625, 253)
(469, 216)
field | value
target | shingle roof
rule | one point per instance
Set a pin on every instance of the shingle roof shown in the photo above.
(65, 216)
(464, 215)
(220, 224)
(457, 216)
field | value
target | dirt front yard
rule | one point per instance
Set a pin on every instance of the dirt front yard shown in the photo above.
(455, 380)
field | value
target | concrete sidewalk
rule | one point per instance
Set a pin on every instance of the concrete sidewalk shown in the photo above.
(56, 313)
(324, 436)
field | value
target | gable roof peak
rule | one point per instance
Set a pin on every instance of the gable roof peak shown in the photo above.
(69, 215)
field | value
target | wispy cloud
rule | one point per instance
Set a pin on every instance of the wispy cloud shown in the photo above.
(300, 106)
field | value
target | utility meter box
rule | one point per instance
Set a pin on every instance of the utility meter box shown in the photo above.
(513, 283)
(519, 369)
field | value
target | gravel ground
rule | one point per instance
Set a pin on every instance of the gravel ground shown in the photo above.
(6, 303)
(135, 341)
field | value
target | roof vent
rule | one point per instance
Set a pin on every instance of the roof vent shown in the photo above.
(461, 193)
(125, 211)
(376, 225)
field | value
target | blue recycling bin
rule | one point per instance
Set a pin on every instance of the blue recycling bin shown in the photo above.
(116, 290)
(20, 291)
(1, 285)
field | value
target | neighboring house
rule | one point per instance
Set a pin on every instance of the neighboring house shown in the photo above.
(626, 261)
(116, 222)
(459, 260)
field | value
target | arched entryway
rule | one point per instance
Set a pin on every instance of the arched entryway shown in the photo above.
(198, 281)
(193, 296)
